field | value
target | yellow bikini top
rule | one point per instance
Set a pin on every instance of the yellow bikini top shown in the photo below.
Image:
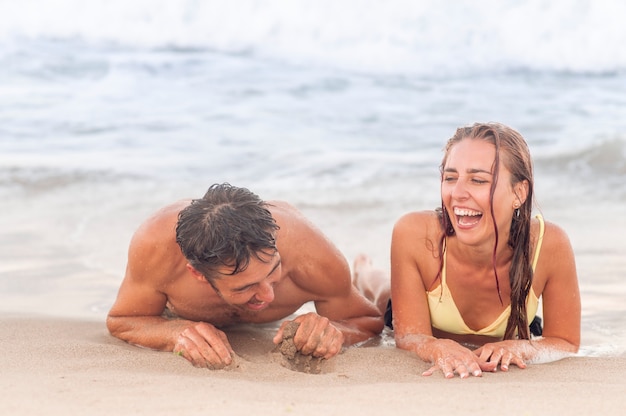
(445, 316)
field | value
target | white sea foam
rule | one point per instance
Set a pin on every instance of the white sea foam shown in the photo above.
(427, 37)
(546, 355)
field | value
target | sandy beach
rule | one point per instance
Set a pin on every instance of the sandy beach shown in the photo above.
(58, 366)
(112, 109)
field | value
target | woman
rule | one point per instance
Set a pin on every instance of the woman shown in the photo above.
(465, 279)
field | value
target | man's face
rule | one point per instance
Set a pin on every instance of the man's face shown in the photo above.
(253, 288)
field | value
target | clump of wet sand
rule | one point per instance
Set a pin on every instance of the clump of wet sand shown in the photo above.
(294, 359)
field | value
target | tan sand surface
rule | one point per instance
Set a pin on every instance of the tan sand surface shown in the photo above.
(57, 366)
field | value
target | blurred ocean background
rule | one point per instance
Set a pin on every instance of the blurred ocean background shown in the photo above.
(111, 109)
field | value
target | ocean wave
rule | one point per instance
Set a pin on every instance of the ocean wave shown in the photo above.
(41, 179)
(606, 157)
(427, 37)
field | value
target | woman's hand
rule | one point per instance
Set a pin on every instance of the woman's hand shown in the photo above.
(452, 358)
(504, 353)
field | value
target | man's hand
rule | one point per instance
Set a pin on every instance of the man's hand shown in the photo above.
(204, 346)
(316, 336)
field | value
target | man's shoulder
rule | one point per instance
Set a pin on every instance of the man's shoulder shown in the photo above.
(158, 231)
(153, 254)
(281, 208)
(163, 218)
(310, 259)
(291, 221)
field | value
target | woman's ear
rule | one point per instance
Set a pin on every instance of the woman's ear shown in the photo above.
(521, 192)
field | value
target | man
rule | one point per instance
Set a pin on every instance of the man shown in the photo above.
(232, 258)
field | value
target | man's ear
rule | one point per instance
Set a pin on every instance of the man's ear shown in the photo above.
(195, 273)
(521, 191)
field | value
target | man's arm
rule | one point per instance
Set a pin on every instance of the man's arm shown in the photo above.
(199, 342)
(344, 316)
(339, 321)
(136, 315)
(356, 317)
(153, 261)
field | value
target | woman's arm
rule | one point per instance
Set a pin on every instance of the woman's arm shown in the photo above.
(556, 273)
(414, 265)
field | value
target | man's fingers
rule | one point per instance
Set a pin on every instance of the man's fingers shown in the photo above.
(305, 330)
(198, 356)
(316, 336)
(334, 346)
(310, 333)
(280, 333)
(204, 346)
(187, 349)
(215, 342)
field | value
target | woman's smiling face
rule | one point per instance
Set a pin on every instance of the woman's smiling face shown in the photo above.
(467, 177)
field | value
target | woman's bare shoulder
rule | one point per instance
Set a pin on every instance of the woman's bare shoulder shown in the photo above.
(554, 235)
(423, 222)
(556, 255)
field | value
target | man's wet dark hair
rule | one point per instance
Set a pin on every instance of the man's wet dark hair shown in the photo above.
(225, 228)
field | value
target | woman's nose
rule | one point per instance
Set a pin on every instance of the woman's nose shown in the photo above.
(459, 191)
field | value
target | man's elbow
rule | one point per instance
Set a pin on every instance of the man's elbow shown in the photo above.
(379, 325)
(114, 326)
(373, 326)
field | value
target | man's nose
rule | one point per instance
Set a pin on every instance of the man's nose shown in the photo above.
(266, 292)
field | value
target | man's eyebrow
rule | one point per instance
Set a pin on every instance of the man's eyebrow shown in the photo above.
(278, 263)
